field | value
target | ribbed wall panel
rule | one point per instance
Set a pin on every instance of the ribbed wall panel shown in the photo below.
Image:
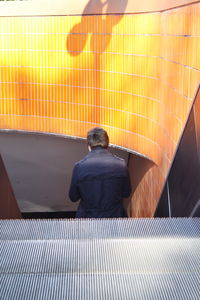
(100, 259)
(133, 74)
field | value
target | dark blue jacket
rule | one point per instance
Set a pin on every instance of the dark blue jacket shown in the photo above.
(100, 180)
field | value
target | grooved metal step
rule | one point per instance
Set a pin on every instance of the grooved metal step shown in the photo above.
(100, 259)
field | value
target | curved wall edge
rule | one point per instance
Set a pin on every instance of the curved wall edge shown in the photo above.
(85, 7)
(130, 151)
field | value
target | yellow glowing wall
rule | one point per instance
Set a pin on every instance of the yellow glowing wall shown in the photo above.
(65, 75)
(135, 75)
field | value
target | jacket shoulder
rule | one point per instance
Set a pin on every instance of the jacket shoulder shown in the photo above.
(81, 161)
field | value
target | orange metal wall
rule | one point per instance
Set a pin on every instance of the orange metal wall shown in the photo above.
(179, 79)
(135, 75)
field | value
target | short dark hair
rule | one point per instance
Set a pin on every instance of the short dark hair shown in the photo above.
(97, 137)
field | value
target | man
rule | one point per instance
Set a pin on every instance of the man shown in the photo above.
(100, 180)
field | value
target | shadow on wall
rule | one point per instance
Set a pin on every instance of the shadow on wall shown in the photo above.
(21, 95)
(100, 28)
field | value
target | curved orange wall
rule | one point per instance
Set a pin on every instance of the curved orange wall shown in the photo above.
(135, 75)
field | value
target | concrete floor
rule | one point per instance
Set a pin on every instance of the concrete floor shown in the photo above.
(40, 167)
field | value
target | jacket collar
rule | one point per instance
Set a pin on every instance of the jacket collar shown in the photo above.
(98, 149)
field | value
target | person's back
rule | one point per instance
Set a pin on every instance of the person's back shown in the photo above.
(100, 180)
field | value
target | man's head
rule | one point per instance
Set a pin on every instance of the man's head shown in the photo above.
(97, 137)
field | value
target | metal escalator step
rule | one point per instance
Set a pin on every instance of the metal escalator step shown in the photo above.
(100, 259)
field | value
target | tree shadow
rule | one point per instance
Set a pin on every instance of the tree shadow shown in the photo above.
(99, 27)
